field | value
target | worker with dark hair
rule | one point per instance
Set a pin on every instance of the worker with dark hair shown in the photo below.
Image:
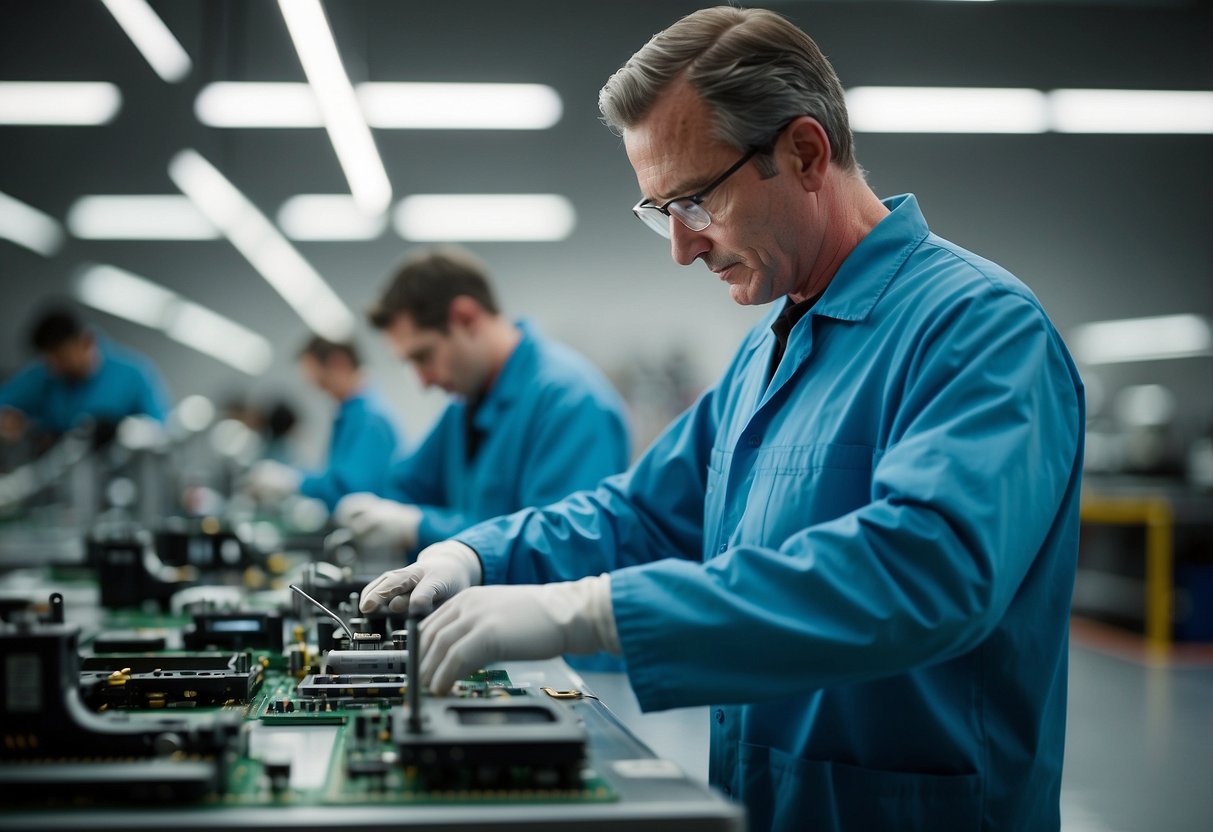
(79, 376)
(532, 420)
(363, 441)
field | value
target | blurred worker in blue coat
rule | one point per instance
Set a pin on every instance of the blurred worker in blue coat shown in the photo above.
(532, 420)
(79, 376)
(859, 545)
(363, 441)
(531, 423)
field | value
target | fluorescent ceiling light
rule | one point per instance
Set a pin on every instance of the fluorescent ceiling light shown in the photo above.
(327, 217)
(432, 106)
(347, 129)
(466, 217)
(211, 333)
(262, 245)
(29, 227)
(125, 295)
(58, 102)
(151, 37)
(1131, 111)
(387, 106)
(1142, 339)
(946, 110)
(247, 104)
(134, 298)
(138, 217)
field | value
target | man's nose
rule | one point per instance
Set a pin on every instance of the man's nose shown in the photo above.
(686, 245)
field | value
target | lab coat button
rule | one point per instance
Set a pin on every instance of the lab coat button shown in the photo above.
(720, 716)
(754, 441)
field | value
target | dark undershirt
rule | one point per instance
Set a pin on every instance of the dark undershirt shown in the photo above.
(783, 326)
(473, 436)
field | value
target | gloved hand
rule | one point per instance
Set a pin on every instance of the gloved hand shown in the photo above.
(379, 522)
(490, 623)
(441, 570)
(269, 480)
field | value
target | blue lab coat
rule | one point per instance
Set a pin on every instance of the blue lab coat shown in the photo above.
(124, 384)
(865, 565)
(362, 446)
(551, 425)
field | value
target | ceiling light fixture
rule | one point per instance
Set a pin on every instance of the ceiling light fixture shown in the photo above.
(346, 126)
(1142, 339)
(257, 104)
(66, 103)
(26, 226)
(327, 217)
(262, 245)
(485, 217)
(142, 301)
(386, 106)
(947, 110)
(152, 38)
(1131, 111)
(221, 338)
(451, 106)
(138, 217)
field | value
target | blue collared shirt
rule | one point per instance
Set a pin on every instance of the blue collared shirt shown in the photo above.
(865, 564)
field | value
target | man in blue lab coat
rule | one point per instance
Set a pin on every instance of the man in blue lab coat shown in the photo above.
(532, 421)
(79, 376)
(859, 546)
(363, 440)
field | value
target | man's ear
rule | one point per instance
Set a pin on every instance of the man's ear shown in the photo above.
(464, 312)
(810, 151)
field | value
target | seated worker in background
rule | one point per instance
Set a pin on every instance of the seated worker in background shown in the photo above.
(79, 376)
(859, 546)
(363, 441)
(533, 421)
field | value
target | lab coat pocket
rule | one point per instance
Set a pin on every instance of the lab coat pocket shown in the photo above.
(810, 484)
(785, 792)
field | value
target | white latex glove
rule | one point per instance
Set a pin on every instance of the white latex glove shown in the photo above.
(441, 570)
(269, 480)
(375, 521)
(491, 623)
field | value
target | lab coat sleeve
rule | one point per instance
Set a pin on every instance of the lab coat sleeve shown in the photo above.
(652, 511)
(359, 460)
(416, 478)
(984, 444)
(22, 390)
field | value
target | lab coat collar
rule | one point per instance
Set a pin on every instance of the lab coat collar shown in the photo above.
(514, 376)
(857, 286)
(356, 400)
(870, 267)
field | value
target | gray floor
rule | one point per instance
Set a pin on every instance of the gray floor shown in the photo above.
(1139, 752)
(1139, 747)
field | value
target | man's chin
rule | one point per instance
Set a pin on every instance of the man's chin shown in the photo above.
(743, 295)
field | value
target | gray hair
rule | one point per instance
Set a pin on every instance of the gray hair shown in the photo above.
(753, 68)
